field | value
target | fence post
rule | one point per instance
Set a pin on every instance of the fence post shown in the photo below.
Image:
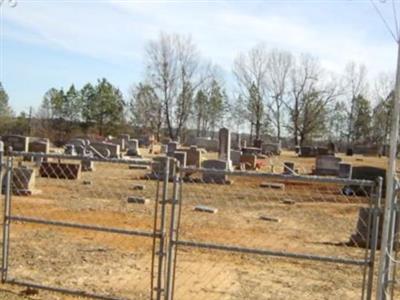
(6, 220)
(389, 276)
(161, 250)
(172, 236)
(386, 243)
(373, 235)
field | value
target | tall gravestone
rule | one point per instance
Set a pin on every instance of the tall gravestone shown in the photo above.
(224, 151)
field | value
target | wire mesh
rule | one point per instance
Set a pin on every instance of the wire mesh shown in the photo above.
(232, 228)
(84, 225)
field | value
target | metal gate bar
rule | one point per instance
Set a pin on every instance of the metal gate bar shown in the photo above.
(265, 252)
(84, 226)
(6, 221)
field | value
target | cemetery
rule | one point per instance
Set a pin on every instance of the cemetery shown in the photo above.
(243, 196)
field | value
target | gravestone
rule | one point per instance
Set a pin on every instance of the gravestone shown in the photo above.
(271, 148)
(345, 170)
(133, 147)
(224, 151)
(207, 209)
(235, 157)
(158, 166)
(118, 141)
(69, 149)
(181, 157)
(307, 151)
(257, 143)
(172, 147)
(77, 142)
(215, 164)
(80, 145)
(125, 137)
(251, 150)
(138, 200)
(60, 170)
(194, 157)
(138, 187)
(23, 181)
(273, 185)
(138, 167)
(359, 238)
(349, 152)
(327, 165)
(249, 161)
(38, 161)
(87, 165)
(367, 173)
(39, 145)
(17, 142)
(106, 149)
(271, 219)
(288, 168)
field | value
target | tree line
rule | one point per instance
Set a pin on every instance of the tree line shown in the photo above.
(277, 95)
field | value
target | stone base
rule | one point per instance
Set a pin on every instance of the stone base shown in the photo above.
(138, 200)
(138, 167)
(273, 185)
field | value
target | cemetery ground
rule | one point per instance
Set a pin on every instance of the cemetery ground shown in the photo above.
(320, 222)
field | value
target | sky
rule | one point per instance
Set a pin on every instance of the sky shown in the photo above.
(50, 43)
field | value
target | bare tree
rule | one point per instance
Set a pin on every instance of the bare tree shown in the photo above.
(173, 62)
(250, 70)
(311, 94)
(278, 76)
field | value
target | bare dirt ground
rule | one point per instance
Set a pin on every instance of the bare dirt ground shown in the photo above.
(319, 223)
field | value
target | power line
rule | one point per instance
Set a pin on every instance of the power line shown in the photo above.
(395, 17)
(384, 20)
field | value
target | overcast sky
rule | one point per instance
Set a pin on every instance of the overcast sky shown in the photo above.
(56, 43)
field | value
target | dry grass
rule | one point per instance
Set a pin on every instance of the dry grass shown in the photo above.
(320, 222)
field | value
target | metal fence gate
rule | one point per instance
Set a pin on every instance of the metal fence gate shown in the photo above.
(225, 238)
(80, 234)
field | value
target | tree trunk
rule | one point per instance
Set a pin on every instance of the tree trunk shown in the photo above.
(278, 123)
(258, 129)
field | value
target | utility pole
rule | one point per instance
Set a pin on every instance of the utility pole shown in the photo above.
(390, 182)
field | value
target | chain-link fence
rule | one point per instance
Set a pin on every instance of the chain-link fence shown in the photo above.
(82, 226)
(232, 227)
(115, 229)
